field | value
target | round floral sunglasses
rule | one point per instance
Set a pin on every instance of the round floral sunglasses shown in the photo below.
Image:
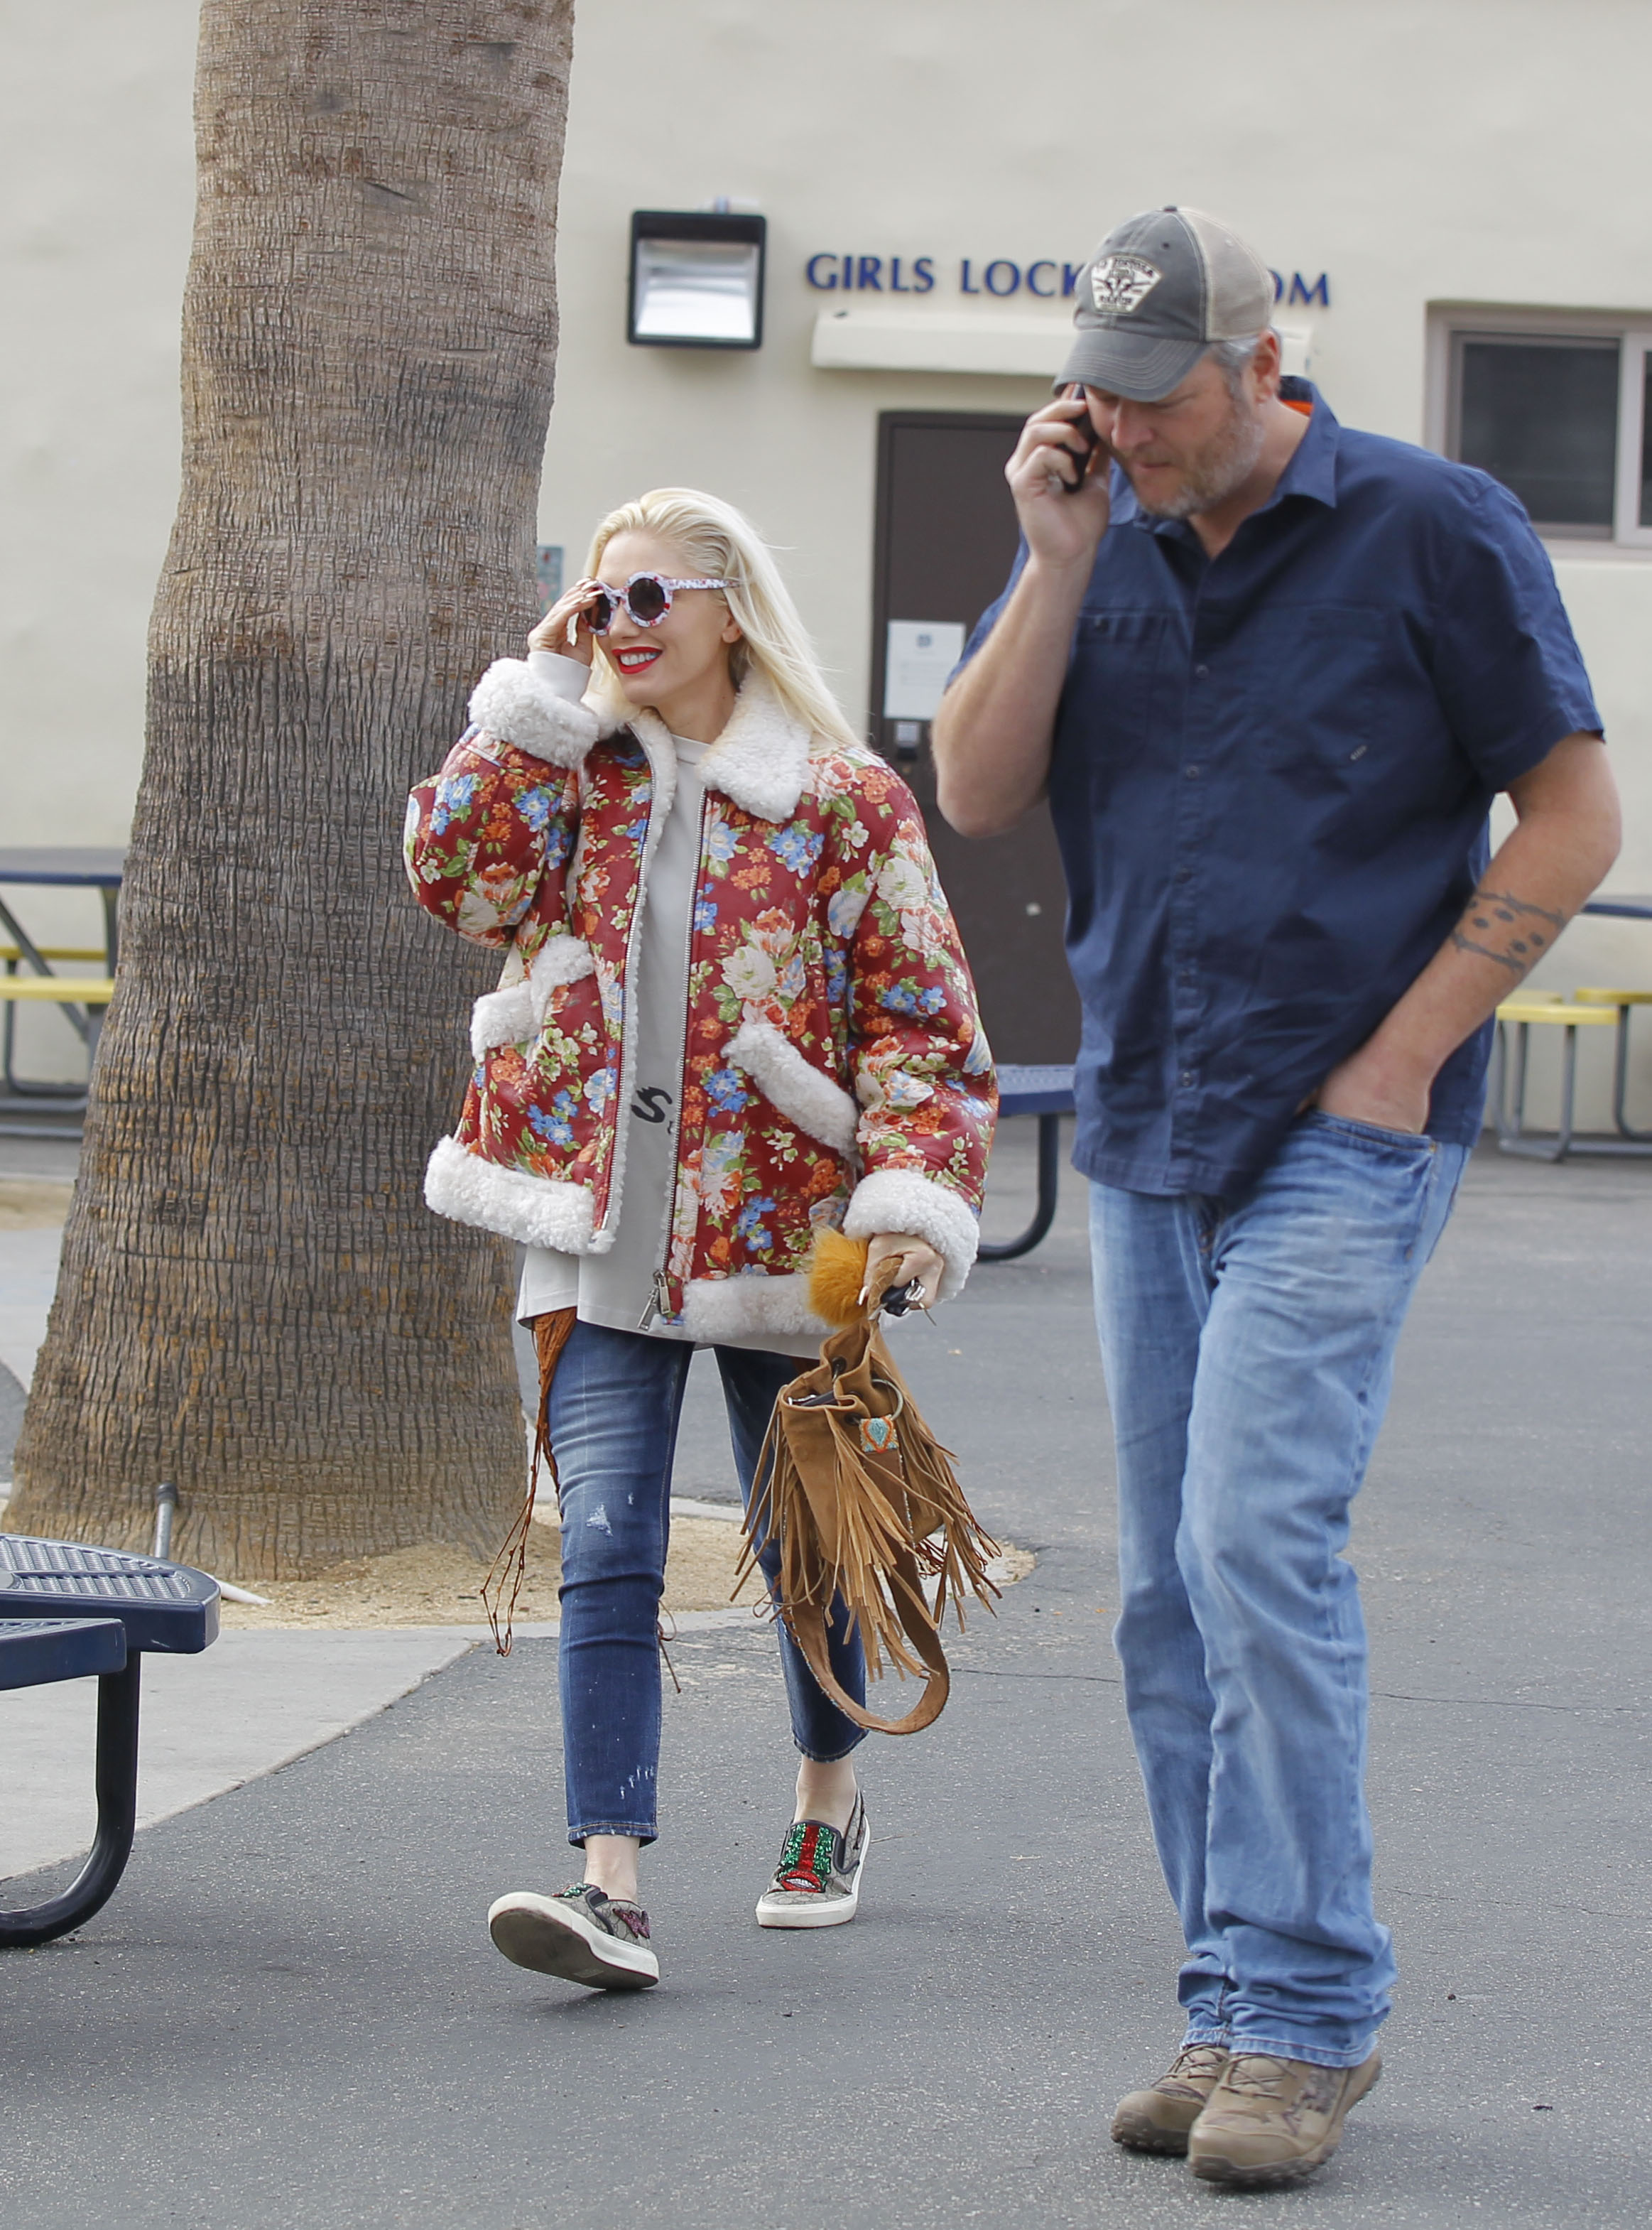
(647, 596)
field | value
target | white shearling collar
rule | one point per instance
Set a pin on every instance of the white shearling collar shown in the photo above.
(761, 761)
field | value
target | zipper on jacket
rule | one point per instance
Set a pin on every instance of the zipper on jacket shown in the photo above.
(658, 1301)
(661, 1301)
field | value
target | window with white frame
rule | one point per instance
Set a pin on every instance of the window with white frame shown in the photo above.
(1558, 409)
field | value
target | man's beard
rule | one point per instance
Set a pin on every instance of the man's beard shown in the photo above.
(1219, 470)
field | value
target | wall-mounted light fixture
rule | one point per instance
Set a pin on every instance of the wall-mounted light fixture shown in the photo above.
(696, 280)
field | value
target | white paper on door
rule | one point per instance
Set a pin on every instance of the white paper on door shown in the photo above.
(918, 656)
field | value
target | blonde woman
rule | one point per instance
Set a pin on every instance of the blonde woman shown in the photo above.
(734, 1010)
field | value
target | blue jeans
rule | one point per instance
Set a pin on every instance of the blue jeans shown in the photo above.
(614, 1406)
(1249, 1348)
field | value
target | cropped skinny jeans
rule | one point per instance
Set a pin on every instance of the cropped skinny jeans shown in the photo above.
(614, 1407)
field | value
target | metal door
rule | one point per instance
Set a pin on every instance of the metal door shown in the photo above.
(946, 541)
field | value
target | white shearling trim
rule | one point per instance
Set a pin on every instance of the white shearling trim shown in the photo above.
(735, 1308)
(564, 959)
(538, 1211)
(762, 758)
(815, 1103)
(516, 1012)
(515, 705)
(503, 1017)
(902, 1200)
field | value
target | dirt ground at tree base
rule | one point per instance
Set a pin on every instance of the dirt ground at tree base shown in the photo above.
(34, 1203)
(438, 1586)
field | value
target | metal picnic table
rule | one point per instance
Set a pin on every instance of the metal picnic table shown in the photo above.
(68, 1611)
(1527, 1009)
(98, 867)
(1047, 1092)
(1630, 906)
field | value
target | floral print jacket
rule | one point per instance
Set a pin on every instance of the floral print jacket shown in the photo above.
(834, 1068)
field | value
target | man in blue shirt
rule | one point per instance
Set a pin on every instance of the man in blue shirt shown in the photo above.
(1270, 673)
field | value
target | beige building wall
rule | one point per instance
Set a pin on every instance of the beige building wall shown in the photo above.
(1416, 151)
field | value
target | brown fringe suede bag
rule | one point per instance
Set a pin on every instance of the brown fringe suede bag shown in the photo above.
(861, 1499)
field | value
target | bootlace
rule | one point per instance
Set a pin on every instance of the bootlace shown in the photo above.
(1257, 2075)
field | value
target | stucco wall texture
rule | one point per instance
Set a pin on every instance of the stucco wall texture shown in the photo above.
(1424, 153)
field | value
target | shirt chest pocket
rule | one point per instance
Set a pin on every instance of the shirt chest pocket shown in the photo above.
(1118, 657)
(1315, 686)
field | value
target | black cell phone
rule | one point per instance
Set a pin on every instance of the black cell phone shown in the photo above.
(1088, 434)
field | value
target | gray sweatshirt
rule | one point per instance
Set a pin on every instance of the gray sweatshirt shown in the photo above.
(617, 1289)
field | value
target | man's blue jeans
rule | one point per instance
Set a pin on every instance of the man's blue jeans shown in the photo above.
(1248, 1349)
(614, 1406)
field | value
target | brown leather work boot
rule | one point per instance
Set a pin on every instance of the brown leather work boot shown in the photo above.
(1157, 2120)
(1270, 2120)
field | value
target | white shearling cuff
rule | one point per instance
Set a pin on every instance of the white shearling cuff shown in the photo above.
(512, 703)
(537, 1211)
(900, 1201)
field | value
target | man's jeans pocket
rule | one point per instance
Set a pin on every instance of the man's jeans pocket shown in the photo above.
(1370, 1134)
(1402, 1181)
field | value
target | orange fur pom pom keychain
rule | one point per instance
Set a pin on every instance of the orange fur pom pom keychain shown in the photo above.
(837, 1278)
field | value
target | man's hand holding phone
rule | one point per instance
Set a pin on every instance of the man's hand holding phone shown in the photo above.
(1059, 479)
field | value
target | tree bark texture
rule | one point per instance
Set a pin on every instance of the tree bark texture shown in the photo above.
(253, 1301)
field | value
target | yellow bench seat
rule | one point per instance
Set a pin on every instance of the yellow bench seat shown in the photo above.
(1531, 1008)
(57, 990)
(1591, 1006)
(9, 953)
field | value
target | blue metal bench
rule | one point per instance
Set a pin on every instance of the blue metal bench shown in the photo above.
(67, 1613)
(1047, 1093)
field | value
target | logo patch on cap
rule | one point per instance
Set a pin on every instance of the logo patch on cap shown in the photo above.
(1123, 283)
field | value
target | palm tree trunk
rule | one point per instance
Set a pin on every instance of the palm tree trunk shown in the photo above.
(253, 1301)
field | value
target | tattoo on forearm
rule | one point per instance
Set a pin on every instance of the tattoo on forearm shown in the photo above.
(1512, 931)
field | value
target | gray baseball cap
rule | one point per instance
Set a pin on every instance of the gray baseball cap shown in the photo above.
(1157, 292)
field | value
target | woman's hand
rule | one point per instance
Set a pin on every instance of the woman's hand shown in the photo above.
(562, 629)
(894, 1259)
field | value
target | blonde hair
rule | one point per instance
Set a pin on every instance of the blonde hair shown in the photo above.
(719, 542)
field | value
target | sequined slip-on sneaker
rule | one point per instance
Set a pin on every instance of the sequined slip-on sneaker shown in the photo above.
(579, 1934)
(817, 1883)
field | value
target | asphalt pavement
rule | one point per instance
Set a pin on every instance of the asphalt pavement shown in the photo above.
(291, 2013)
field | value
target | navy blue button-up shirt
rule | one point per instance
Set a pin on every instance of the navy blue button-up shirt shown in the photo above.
(1270, 781)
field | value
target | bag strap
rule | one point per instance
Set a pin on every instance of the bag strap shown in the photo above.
(807, 1624)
